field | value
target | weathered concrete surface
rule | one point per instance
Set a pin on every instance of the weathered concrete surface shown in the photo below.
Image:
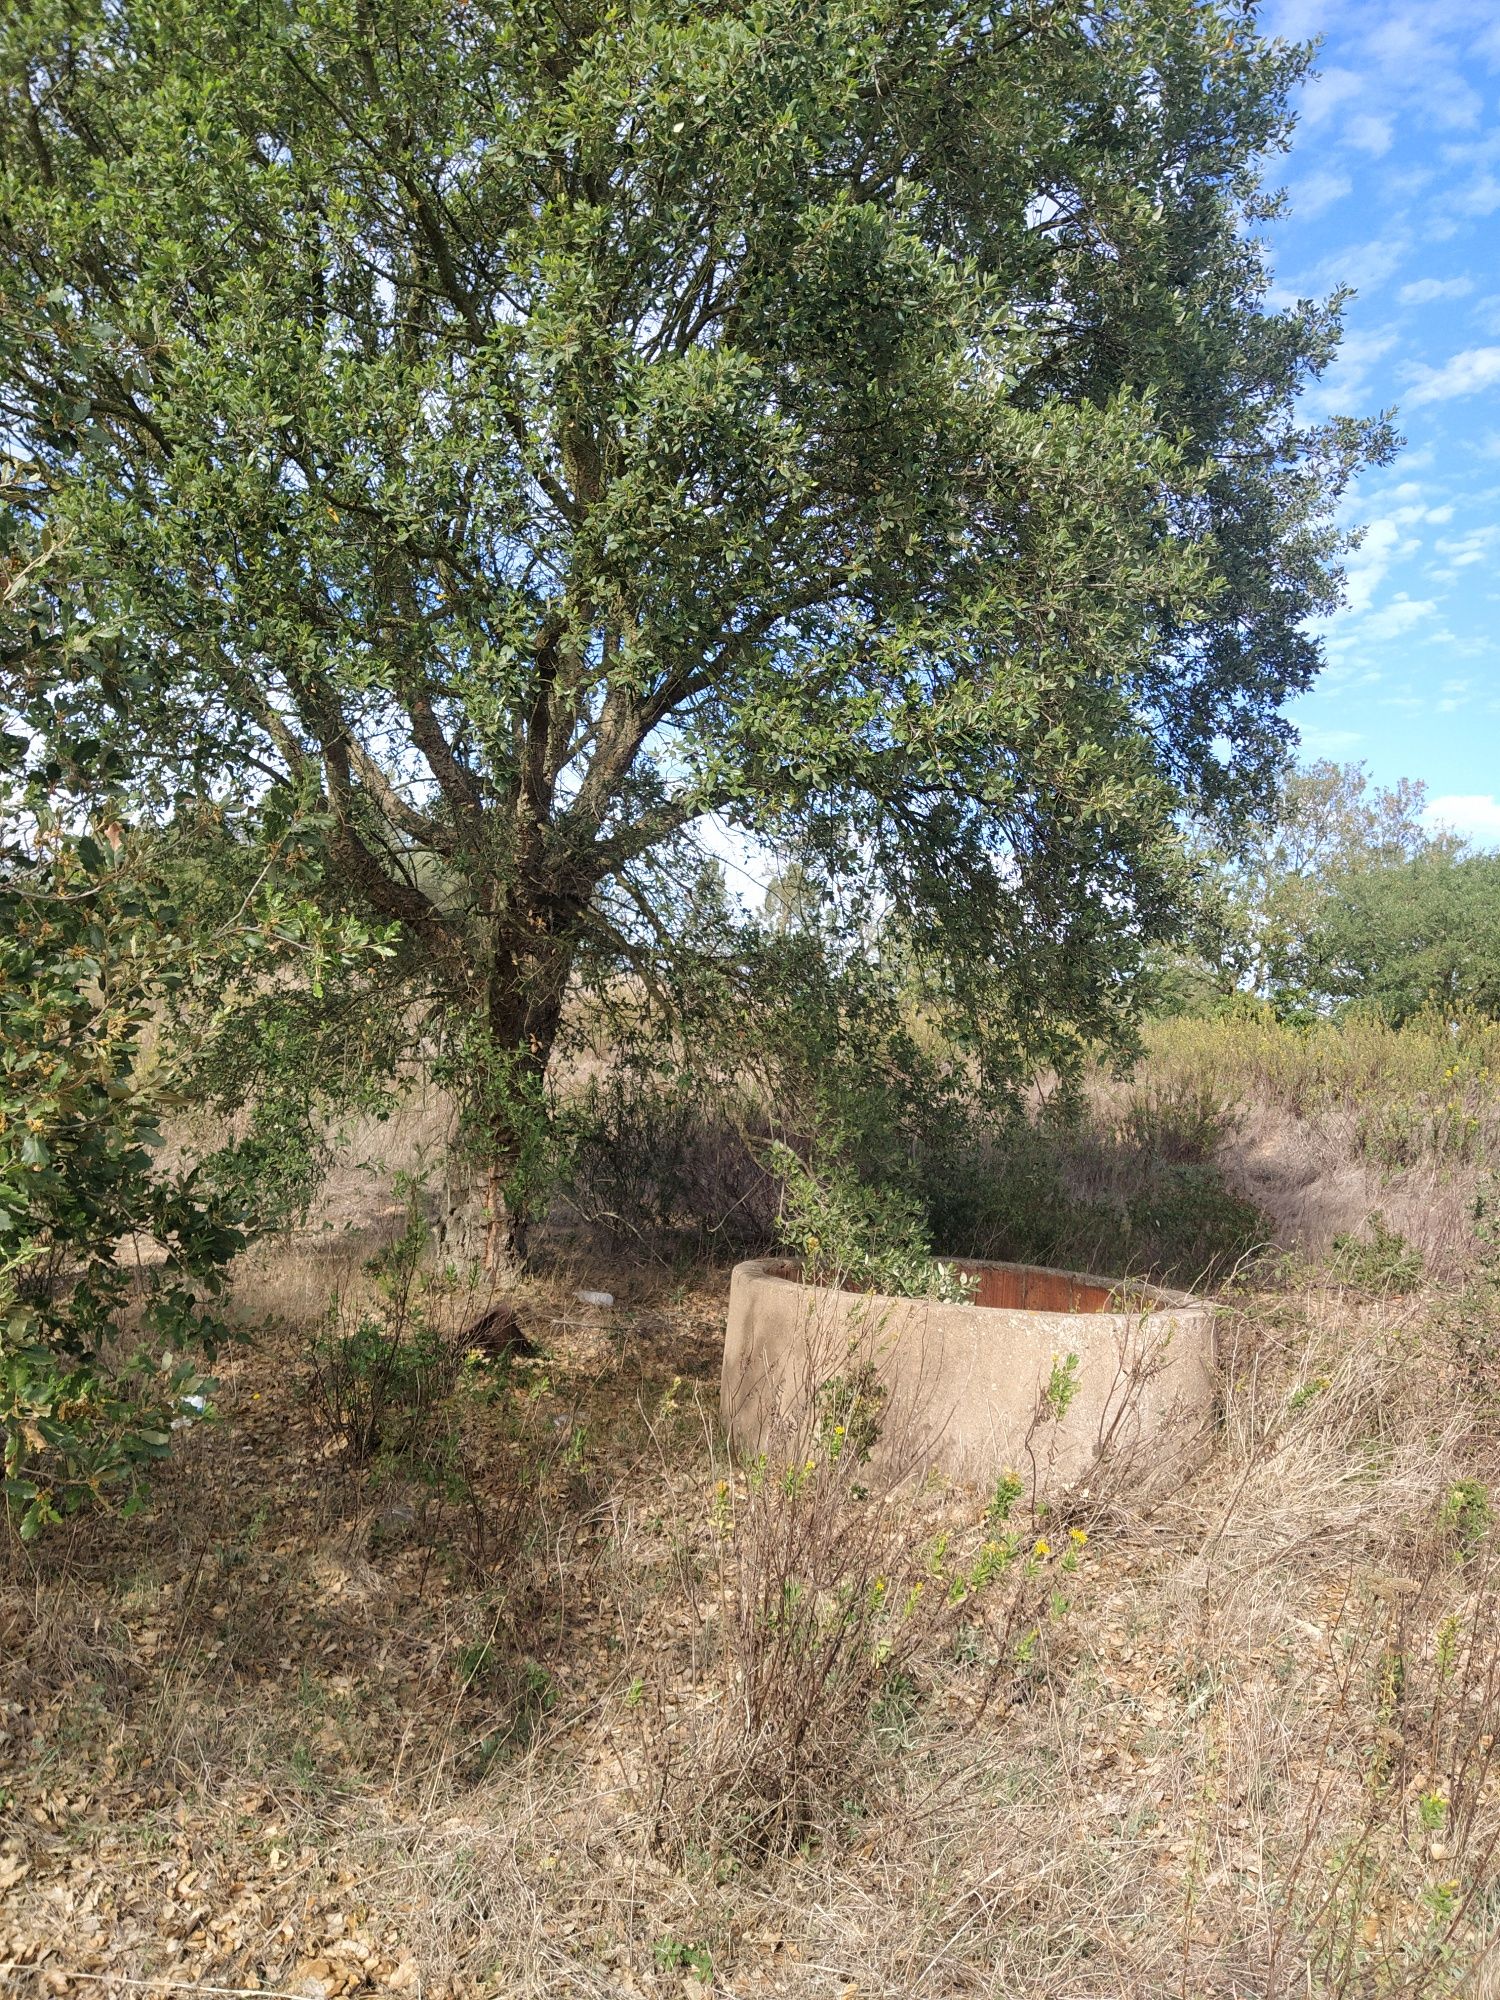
(965, 1384)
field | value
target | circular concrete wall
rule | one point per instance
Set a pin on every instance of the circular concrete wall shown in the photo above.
(965, 1388)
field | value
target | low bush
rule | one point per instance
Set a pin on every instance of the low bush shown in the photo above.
(380, 1370)
(1182, 1120)
(1429, 1089)
(667, 1169)
(843, 1587)
(1133, 1190)
(1187, 1225)
(1145, 1213)
(1381, 1260)
(86, 1402)
(846, 1231)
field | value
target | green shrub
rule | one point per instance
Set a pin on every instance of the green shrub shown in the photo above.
(1467, 1515)
(849, 1413)
(1474, 1313)
(1153, 1215)
(85, 958)
(670, 1954)
(847, 1232)
(380, 1371)
(1007, 1199)
(1187, 1224)
(834, 1600)
(1379, 1261)
(1182, 1120)
(663, 1163)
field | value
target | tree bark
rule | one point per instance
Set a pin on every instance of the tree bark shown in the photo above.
(479, 1229)
(487, 1216)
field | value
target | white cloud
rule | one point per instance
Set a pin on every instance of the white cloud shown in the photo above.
(1407, 516)
(1422, 291)
(1475, 369)
(1369, 134)
(1318, 191)
(1483, 198)
(1326, 91)
(1474, 152)
(1476, 815)
(1453, 102)
(1465, 550)
(1365, 567)
(1346, 381)
(1329, 742)
(1364, 265)
(1399, 616)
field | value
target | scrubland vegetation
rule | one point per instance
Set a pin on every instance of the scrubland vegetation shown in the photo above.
(433, 1670)
(470, 472)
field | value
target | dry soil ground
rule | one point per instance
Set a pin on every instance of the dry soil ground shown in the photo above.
(453, 1722)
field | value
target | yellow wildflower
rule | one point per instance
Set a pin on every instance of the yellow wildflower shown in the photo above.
(1042, 1549)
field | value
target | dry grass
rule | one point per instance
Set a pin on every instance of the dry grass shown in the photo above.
(459, 1727)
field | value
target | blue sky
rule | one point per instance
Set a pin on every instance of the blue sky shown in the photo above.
(1394, 185)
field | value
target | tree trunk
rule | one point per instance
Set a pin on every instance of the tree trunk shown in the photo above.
(488, 1205)
(479, 1229)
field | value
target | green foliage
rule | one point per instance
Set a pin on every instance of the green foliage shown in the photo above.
(670, 1954)
(1114, 1200)
(97, 969)
(848, 1232)
(1343, 896)
(1269, 890)
(504, 1091)
(1328, 1065)
(378, 1373)
(1467, 1514)
(74, 1435)
(1182, 1121)
(1421, 1093)
(835, 1597)
(1007, 1198)
(1187, 1224)
(1476, 1309)
(1008, 1489)
(85, 958)
(667, 1160)
(1060, 1387)
(1421, 936)
(92, 962)
(491, 465)
(849, 1411)
(1381, 1260)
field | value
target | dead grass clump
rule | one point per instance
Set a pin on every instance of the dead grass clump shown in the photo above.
(843, 1588)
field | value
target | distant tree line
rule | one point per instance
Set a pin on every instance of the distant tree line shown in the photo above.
(1345, 896)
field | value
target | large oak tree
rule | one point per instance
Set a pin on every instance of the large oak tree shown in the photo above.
(511, 432)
